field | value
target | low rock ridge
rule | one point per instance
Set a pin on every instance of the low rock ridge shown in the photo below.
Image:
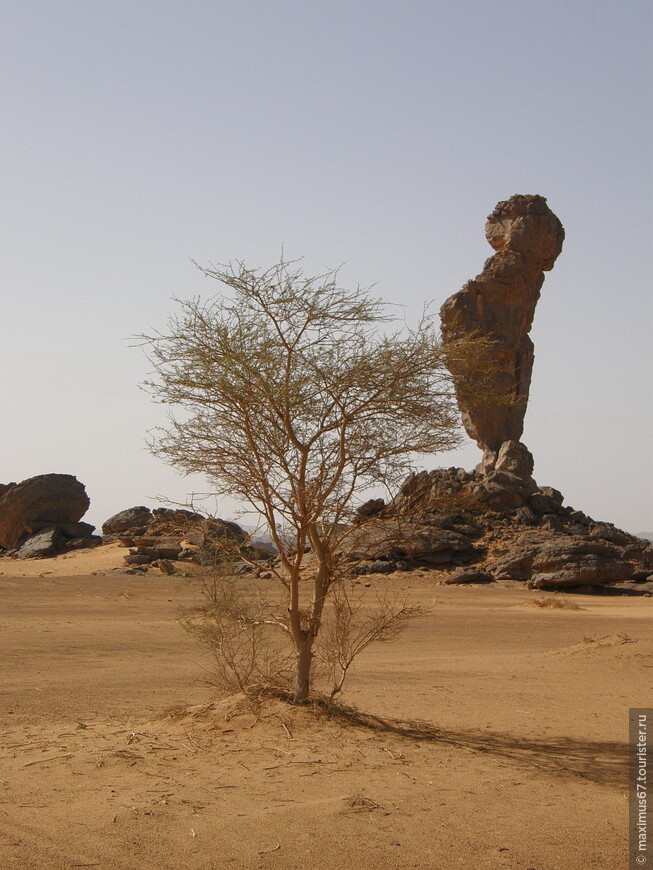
(160, 537)
(479, 528)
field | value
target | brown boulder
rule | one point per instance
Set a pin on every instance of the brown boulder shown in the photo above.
(499, 304)
(38, 503)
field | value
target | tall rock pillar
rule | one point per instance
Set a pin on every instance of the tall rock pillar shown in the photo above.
(500, 304)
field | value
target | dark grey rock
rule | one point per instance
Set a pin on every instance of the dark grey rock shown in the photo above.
(550, 560)
(553, 493)
(640, 576)
(559, 550)
(377, 566)
(127, 520)
(469, 530)
(45, 543)
(583, 570)
(552, 523)
(169, 552)
(77, 530)
(139, 559)
(635, 551)
(545, 502)
(455, 522)
(467, 575)
(371, 508)
(514, 565)
(83, 543)
(575, 529)
(417, 543)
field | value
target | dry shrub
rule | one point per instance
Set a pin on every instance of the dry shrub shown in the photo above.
(360, 803)
(609, 639)
(250, 653)
(350, 626)
(553, 602)
(296, 397)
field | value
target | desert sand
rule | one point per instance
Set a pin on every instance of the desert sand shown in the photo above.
(115, 753)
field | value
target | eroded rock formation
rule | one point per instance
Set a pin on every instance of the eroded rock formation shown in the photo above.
(162, 536)
(449, 518)
(499, 304)
(495, 523)
(54, 502)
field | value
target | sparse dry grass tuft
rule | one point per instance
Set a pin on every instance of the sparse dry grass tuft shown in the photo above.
(554, 602)
(359, 803)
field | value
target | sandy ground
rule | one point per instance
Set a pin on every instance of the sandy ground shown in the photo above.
(112, 755)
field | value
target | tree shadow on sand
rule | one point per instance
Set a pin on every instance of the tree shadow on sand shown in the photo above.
(601, 762)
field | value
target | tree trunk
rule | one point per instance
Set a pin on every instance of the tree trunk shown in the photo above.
(303, 670)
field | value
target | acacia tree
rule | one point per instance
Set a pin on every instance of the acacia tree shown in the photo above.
(296, 397)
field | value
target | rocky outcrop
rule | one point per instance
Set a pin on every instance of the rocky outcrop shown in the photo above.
(389, 543)
(46, 502)
(131, 518)
(448, 518)
(163, 536)
(557, 560)
(58, 539)
(496, 520)
(499, 305)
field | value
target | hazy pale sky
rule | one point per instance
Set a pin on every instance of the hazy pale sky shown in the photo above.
(139, 135)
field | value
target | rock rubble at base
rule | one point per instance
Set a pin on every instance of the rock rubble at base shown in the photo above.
(451, 520)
